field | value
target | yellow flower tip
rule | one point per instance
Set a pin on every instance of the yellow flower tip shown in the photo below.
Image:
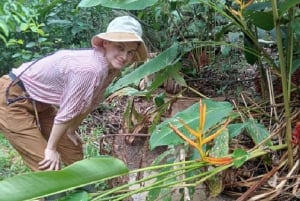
(182, 136)
(234, 12)
(199, 141)
(248, 3)
(239, 2)
(189, 129)
(202, 115)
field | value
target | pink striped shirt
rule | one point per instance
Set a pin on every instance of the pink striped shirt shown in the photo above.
(74, 80)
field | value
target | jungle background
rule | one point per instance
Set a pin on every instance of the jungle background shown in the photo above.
(211, 115)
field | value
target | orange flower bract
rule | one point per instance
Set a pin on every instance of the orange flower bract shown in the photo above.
(200, 139)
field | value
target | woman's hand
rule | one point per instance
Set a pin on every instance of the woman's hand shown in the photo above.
(51, 160)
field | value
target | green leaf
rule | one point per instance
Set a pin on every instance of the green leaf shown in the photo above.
(60, 22)
(158, 193)
(4, 28)
(250, 51)
(39, 184)
(286, 5)
(76, 196)
(178, 78)
(3, 38)
(263, 20)
(31, 44)
(24, 26)
(159, 99)
(163, 75)
(260, 6)
(129, 91)
(221, 146)
(163, 60)
(235, 129)
(119, 4)
(296, 26)
(215, 113)
(89, 3)
(295, 65)
(258, 132)
(239, 157)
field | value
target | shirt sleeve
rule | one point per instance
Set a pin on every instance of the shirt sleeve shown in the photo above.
(77, 96)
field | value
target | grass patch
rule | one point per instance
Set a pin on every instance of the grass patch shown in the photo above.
(11, 162)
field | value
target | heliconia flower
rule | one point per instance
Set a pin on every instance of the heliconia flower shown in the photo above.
(218, 161)
(242, 4)
(200, 139)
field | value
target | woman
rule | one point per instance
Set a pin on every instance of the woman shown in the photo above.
(43, 102)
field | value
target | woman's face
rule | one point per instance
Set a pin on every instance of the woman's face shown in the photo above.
(120, 54)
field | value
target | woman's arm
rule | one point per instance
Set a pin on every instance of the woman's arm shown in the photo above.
(52, 157)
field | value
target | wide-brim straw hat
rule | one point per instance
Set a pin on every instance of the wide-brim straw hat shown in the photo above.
(123, 29)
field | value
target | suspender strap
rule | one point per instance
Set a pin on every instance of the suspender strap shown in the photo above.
(19, 82)
(15, 80)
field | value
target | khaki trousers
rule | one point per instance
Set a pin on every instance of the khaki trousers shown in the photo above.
(18, 124)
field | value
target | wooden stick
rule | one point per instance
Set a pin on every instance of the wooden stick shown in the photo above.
(125, 134)
(263, 180)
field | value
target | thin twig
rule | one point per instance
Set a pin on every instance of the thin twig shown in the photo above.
(274, 193)
(125, 134)
(263, 180)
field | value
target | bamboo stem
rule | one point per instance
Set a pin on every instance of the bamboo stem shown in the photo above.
(283, 70)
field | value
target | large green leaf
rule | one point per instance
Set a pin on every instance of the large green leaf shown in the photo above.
(169, 72)
(295, 65)
(263, 20)
(3, 38)
(163, 60)
(81, 173)
(221, 145)
(284, 6)
(240, 157)
(250, 51)
(4, 28)
(258, 132)
(119, 4)
(236, 129)
(215, 113)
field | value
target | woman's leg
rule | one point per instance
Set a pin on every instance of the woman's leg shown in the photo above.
(17, 122)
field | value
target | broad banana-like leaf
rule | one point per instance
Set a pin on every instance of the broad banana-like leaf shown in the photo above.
(163, 60)
(236, 129)
(215, 113)
(285, 5)
(117, 4)
(221, 145)
(257, 131)
(39, 184)
(263, 20)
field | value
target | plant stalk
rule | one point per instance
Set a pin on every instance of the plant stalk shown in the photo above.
(284, 81)
(121, 192)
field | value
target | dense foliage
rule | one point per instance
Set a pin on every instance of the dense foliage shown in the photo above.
(31, 29)
(199, 31)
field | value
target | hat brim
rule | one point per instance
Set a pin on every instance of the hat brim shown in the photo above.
(142, 53)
